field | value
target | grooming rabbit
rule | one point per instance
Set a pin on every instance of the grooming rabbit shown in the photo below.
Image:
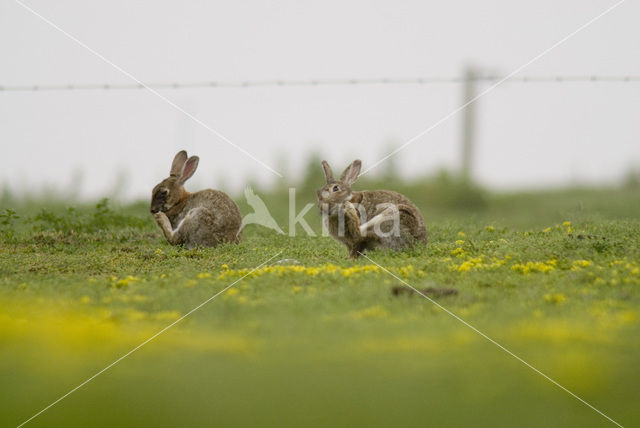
(205, 218)
(368, 219)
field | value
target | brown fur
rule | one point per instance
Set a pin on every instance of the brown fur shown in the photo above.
(341, 205)
(205, 218)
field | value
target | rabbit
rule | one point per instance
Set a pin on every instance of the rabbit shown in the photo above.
(369, 219)
(205, 218)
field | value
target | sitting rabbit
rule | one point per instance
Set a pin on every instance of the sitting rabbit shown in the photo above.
(368, 219)
(205, 218)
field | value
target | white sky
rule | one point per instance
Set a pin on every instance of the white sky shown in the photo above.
(528, 135)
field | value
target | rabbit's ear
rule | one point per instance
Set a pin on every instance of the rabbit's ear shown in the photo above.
(328, 174)
(178, 163)
(189, 168)
(350, 174)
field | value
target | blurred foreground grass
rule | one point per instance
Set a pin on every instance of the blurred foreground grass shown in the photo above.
(315, 339)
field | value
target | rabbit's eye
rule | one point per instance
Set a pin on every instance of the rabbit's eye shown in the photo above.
(336, 188)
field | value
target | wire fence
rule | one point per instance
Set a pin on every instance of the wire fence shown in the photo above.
(320, 82)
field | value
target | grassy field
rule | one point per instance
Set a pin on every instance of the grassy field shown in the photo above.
(312, 338)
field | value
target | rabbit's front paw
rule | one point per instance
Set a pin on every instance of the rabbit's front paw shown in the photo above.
(350, 209)
(162, 220)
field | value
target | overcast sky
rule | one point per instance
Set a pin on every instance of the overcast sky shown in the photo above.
(528, 135)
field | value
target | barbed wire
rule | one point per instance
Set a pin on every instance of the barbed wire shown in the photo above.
(318, 82)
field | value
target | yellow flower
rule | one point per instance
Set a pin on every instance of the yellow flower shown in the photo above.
(490, 228)
(406, 271)
(231, 292)
(548, 229)
(457, 251)
(474, 263)
(461, 234)
(557, 298)
(459, 242)
(566, 223)
(577, 264)
(125, 281)
(224, 266)
(528, 267)
(204, 275)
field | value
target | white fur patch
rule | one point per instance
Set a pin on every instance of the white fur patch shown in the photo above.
(190, 214)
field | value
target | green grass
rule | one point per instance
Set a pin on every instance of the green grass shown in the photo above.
(318, 339)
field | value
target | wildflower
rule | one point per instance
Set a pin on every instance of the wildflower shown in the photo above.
(548, 229)
(457, 251)
(406, 271)
(204, 275)
(225, 266)
(125, 281)
(557, 298)
(490, 228)
(461, 234)
(577, 264)
(474, 263)
(231, 292)
(566, 223)
(528, 267)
